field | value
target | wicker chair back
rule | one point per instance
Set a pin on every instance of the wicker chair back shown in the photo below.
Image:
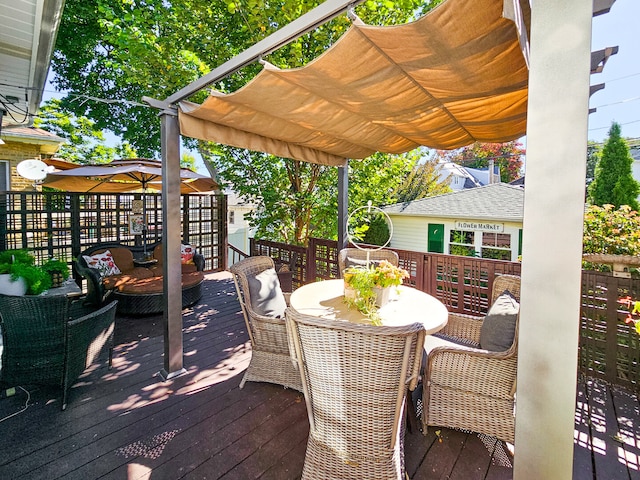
(355, 378)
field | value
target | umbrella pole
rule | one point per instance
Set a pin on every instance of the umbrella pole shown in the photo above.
(144, 222)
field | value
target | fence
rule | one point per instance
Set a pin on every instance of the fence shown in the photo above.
(63, 224)
(609, 348)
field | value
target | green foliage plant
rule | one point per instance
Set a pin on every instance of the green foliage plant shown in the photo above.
(21, 264)
(53, 265)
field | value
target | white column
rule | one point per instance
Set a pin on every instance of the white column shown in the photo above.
(552, 238)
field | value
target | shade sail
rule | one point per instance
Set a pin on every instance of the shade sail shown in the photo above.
(456, 76)
(125, 175)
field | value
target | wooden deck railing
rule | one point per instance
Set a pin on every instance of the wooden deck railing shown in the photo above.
(609, 348)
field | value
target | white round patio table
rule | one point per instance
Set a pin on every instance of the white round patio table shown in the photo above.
(406, 305)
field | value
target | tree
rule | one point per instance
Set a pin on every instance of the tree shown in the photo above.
(508, 156)
(423, 181)
(614, 183)
(86, 144)
(296, 200)
(110, 53)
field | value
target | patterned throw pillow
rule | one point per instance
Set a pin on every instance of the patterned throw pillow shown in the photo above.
(186, 253)
(103, 262)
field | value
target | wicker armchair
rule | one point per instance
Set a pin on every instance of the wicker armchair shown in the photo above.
(48, 342)
(270, 358)
(355, 379)
(466, 387)
(358, 255)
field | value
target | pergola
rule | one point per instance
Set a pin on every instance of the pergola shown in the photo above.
(471, 70)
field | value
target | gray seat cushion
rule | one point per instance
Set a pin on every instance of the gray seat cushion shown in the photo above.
(499, 326)
(266, 295)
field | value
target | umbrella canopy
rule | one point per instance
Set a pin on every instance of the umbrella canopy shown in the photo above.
(125, 175)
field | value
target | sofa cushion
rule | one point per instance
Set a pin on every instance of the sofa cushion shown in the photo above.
(186, 268)
(103, 262)
(155, 285)
(114, 281)
(266, 295)
(499, 326)
(123, 258)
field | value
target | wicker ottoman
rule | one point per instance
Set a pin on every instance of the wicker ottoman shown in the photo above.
(144, 296)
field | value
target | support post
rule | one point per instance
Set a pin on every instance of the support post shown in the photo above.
(552, 238)
(172, 269)
(343, 205)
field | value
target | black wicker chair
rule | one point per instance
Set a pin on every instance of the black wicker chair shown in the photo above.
(50, 341)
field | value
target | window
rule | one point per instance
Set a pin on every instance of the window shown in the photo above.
(4, 176)
(461, 243)
(232, 217)
(496, 246)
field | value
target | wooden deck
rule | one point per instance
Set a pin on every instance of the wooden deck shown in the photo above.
(126, 423)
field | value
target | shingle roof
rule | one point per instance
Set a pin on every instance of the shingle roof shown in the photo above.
(498, 201)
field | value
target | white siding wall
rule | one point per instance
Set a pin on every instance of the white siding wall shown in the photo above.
(409, 233)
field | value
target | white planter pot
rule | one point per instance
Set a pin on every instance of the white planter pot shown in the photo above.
(12, 287)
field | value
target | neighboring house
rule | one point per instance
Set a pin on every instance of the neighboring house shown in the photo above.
(463, 177)
(484, 221)
(238, 227)
(23, 143)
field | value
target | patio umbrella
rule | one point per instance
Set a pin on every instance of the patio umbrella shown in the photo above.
(126, 175)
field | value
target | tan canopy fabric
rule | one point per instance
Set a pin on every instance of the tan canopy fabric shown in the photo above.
(453, 77)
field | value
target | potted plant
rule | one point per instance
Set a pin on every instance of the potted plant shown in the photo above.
(20, 275)
(58, 270)
(368, 288)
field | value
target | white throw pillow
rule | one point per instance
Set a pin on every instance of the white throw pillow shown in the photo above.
(266, 295)
(103, 262)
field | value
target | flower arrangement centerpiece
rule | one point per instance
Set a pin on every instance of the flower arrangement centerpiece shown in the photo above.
(368, 288)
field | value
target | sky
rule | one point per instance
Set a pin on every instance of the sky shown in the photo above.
(619, 101)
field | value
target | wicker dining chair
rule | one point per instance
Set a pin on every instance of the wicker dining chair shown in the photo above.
(48, 341)
(354, 256)
(465, 386)
(355, 379)
(270, 358)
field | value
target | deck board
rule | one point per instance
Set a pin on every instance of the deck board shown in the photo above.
(128, 423)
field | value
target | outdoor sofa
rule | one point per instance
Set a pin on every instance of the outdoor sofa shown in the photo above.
(121, 272)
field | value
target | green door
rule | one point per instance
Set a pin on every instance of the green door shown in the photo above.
(435, 239)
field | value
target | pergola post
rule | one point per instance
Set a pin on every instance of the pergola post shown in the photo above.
(172, 274)
(552, 238)
(343, 205)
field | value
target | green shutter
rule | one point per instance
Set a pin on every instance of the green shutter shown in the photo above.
(519, 242)
(435, 240)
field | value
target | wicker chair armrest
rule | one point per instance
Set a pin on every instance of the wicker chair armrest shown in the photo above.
(486, 373)
(86, 338)
(464, 327)
(198, 260)
(95, 287)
